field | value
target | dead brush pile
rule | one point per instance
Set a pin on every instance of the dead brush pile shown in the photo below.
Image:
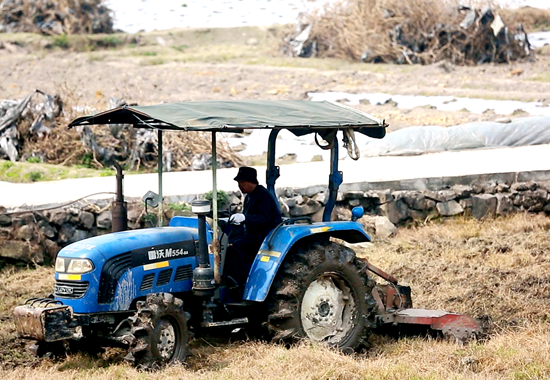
(410, 32)
(55, 17)
(497, 270)
(34, 129)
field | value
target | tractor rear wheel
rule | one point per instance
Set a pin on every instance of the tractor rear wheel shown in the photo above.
(322, 293)
(159, 332)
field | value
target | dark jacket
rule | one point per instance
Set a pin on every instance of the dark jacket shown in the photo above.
(261, 214)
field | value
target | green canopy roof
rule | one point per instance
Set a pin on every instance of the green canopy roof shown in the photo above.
(299, 116)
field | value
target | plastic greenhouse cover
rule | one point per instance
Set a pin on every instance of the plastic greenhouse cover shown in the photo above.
(417, 140)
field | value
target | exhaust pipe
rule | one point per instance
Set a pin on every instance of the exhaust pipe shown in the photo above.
(204, 283)
(119, 208)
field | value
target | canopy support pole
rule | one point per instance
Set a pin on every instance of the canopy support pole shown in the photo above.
(335, 179)
(161, 211)
(215, 243)
(272, 172)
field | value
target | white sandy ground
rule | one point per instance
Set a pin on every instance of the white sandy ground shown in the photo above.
(501, 160)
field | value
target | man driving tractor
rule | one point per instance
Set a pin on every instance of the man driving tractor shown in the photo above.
(259, 216)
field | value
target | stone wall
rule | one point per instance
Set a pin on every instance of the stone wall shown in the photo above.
(36, 237)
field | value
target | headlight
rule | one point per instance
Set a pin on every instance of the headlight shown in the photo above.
(60, 265)
(80, 266)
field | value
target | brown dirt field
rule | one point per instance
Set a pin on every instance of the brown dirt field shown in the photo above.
(151, 73)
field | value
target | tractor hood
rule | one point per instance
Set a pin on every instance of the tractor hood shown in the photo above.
(137, 242)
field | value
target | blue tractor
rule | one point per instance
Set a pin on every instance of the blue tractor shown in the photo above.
(149, 289)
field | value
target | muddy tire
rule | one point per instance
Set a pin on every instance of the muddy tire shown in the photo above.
(322, 293)
(159, 332)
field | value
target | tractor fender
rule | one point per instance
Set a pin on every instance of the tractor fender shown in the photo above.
(280, 241)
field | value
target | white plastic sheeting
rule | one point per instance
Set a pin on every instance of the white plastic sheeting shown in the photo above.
(430, 139)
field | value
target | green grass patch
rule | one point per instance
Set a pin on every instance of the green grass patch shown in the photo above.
(27, 172)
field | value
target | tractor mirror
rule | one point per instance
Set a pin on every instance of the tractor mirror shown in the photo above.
(151, 199)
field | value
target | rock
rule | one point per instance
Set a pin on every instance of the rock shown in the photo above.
(66, 233)
(531, 200)
(86, 220)
(47, 230)
(378, 226)
(289, 192)
(490, 188)
(285, 210)
(396, 211)
(22, 220)
(502, 188)
(22, 251)
(25, 233)
(321, 197)
(79, 235)
(59, 217)
(418, 201)
(384, 228)
(342, 213)
(354, 194)
(441, 195)
(308, 208)
(523, 186)
(412, 197)
(477, 188)
(310, 191)
(5, 220)
(462, 191)
(104, 220)
(51, 248)
(5, 233)
(449, 208)
(354, 202)
(505, 205)
(134, 218)
(484, 205)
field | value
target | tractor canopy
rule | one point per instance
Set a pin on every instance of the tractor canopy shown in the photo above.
(298, 116)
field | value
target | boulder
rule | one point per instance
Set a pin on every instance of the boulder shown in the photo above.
(5, 233)
(449, 208)
(441, 195)
(86, 220)
(22, 251)
(395, 211)
(59, 217)
(462, 191)
(25, 232)
(51, 248)
(505, 205)
(104, 220)
(79, 235)
(308, 208)
(66, 233)
(5, 220)
(523, 186)
(379, 227)
(484, 205)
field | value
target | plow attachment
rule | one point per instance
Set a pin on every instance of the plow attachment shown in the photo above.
(395, 307)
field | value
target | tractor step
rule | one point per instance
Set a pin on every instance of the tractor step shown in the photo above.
(236, 321)
(461, 327)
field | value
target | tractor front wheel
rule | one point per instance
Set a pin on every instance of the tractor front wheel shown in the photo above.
(159, 332)
(322, 293)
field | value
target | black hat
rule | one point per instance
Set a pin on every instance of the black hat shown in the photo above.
(247, 174)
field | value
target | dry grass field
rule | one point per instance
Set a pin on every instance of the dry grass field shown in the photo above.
(496, 270)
